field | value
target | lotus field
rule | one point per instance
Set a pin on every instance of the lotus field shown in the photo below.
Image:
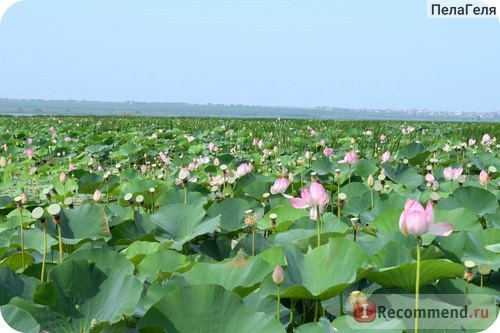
(112, 224)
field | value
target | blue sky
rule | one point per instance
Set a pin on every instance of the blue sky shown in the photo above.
(356, 54)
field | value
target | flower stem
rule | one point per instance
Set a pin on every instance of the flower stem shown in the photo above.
(60, 243)
(318, 223)
(253, 242)
(185, 195)
(44, 253)
(22, 237)
(417, 285)
(278, 303)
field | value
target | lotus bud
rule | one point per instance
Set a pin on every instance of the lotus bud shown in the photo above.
(24, 198)
(483, 178)
(3, 162)
(63, 178)
(370, 181)
(278, 275)
(435, 185)
(97, 195)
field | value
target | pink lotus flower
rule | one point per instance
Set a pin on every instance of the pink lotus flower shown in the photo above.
(416, 221)
(350, 158)
(487, 140)
(216, 161)
(280, 186)
(327, 151)
(314, 197)
(382, 138)
(243, 169)
(30, 153)
(211, 146)
(71, 167)
(386, 156)
(164, 158)
(67, 139)
(450, 173)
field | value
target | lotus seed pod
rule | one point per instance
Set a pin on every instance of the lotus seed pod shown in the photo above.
(54, 209)
(37, 213)
(469, 264)
(484, 269)
(139, 199)
(342, 196)
(128, 197)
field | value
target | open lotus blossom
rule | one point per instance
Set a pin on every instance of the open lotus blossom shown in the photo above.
(243, 169)
(429, 178)
(30, 153)
(386, 156)
(280, 186)
(450, 173)
(350, 158)
(313, 197)
(487, 140)
(327, 151)
(164, 158)
(416, 221)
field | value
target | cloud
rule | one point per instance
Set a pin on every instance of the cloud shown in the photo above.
(5, 5)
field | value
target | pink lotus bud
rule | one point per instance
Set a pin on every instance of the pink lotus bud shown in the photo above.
(97, 195)
(370, 181)
(216, 161)
(63, 178)
(278, 275)
(483, 177)
(429, 178)
(3, 162)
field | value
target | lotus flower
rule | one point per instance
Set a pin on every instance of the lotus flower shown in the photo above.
(280, 186)
(386, 156)
(429, 178)
(314, 197)
(350, 158)
(242, 169)
(327, 151)
(450, 173)
(30, 153)
(416, 221)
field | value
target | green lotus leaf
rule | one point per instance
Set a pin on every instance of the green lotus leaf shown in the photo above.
(405, 175)
(403, 276)
(12, 285)
(241, 274)
(161, 264)
(19, 319)
(323, 166)
(136, 251)
(78, 289)
(477, 200)
(323, 272)
(217, 310)
(182, 223)
(232, 212)
(176, 196)
(475, 247)
(286, 215)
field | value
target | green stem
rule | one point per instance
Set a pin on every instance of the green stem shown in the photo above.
(371, 197)
(44, 253)
(22, 237)
(292, 309)
(417, 285)
(278, 304)
(349, 182)
(341, 304)
(318, 224)
(253, 241)
(60, 243)
(316, 311)
(185, 195)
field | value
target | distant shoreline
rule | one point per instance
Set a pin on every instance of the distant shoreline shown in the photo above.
(24, 107)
